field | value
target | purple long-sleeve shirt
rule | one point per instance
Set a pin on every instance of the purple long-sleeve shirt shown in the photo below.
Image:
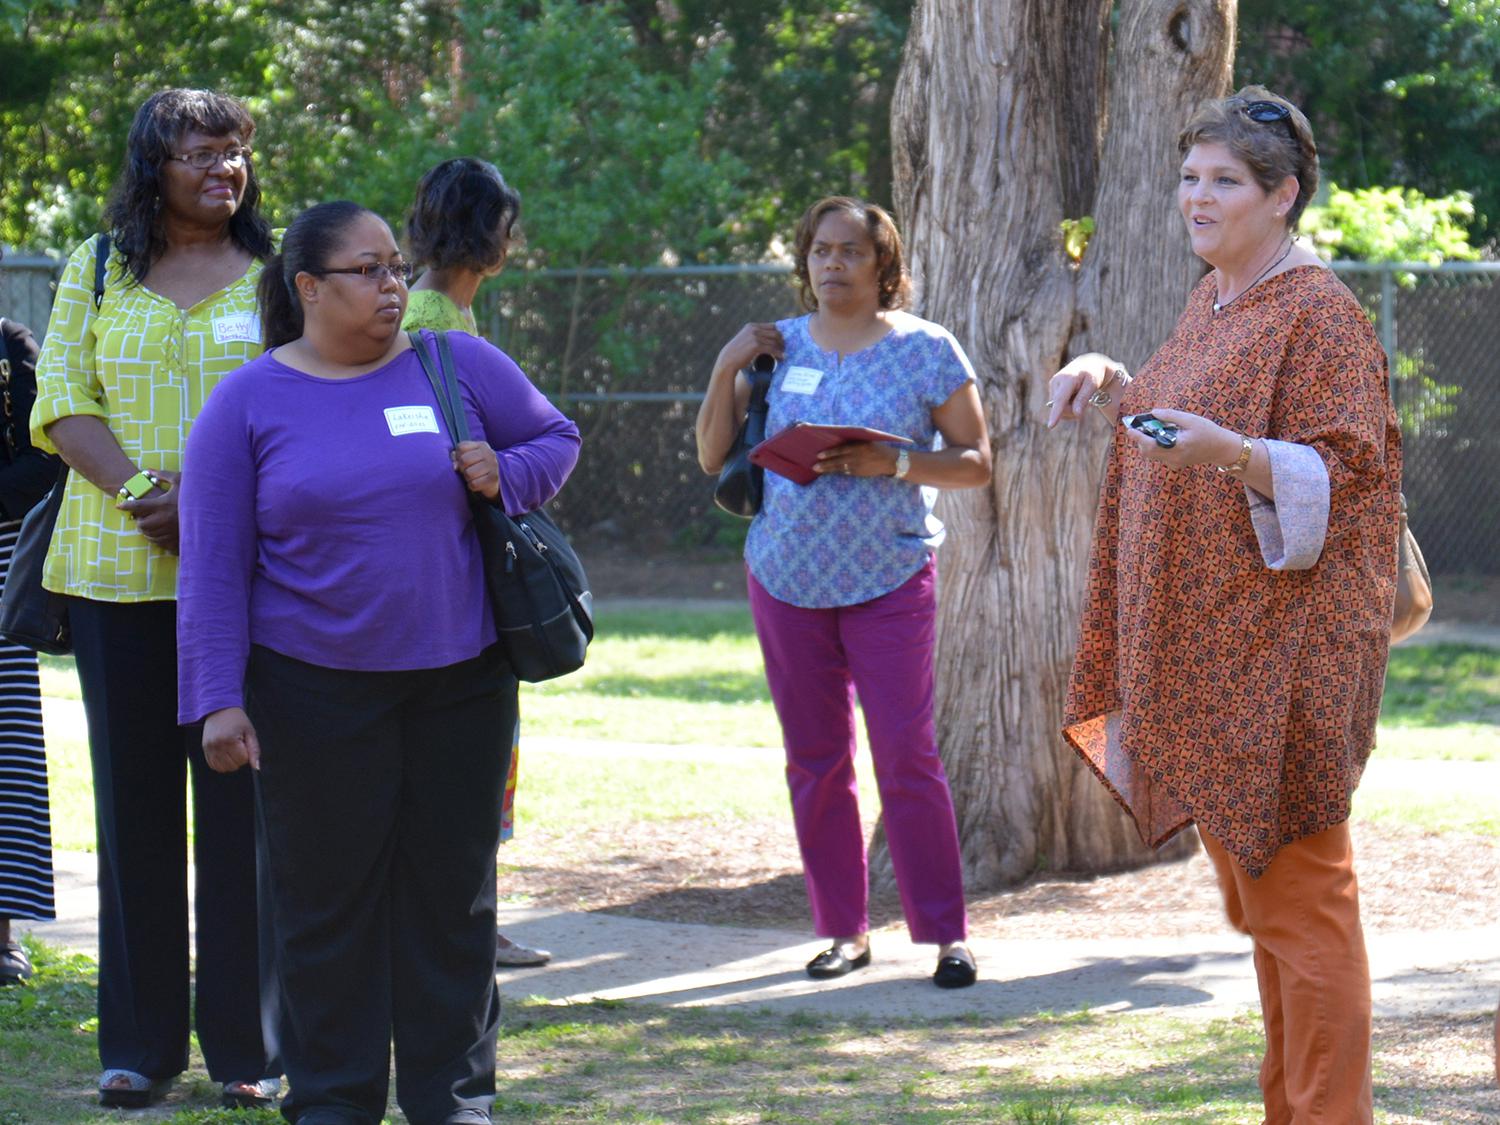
(323, 518)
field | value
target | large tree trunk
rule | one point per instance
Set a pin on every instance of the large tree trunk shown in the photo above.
(999, 135)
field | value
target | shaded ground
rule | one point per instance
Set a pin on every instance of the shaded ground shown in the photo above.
(618, 572)
(749, 874)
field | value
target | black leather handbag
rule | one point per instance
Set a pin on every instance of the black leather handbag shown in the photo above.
(741, 484)
(30, 614)
(544, 611)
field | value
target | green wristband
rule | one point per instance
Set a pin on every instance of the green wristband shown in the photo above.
(137, 486)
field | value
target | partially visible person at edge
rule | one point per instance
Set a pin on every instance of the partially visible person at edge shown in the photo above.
(842, 576)
(460, 228)
(118, 389)
(26, 474)
(335, 636)
(1237, 622)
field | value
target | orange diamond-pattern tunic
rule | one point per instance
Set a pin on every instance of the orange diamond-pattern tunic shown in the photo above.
(1208, 686)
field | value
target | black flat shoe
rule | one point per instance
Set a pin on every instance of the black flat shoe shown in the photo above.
(955, 972)
(832, 963)
(15, 967)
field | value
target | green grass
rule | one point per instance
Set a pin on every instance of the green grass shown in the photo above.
(563, 791)
(614, 1062)
(663, 676)
(1442, 685)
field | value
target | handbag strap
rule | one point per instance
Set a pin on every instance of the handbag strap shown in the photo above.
(760, 387)
(101, 269)
(445, 389)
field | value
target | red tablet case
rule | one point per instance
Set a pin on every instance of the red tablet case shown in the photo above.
(794, 450)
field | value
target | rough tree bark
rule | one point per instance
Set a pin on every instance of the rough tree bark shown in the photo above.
(1010, 116)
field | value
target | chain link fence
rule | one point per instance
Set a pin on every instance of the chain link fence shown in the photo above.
(26, 285)
(626, 353)
(1441, 329)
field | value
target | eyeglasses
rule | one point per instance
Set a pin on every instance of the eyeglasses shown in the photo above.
(1264, 113)
(378, 271)
(205, 158)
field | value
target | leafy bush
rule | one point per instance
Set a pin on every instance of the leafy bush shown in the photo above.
(1392, 224)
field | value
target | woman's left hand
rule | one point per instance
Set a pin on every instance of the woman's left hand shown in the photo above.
(477, 464)
(1199, 441)
(155, 514)
(857, 459)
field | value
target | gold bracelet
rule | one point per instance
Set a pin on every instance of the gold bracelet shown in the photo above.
(1242, 462)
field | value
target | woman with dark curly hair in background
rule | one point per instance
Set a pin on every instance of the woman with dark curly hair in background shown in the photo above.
(460, 228)
(120, 381)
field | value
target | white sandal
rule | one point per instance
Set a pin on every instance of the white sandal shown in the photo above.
(514, 955)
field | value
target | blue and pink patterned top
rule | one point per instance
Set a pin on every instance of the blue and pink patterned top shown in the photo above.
(844, 540)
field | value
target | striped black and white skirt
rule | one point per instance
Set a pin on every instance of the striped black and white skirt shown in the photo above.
(25, 826)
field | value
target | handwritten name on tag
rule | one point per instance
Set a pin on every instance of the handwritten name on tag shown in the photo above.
(237, 328)
(410, 420)
(801, 380)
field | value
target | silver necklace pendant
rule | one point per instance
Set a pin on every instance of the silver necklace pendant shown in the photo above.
(1220, 306)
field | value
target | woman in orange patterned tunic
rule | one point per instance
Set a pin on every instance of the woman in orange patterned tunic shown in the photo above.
(1235, 632)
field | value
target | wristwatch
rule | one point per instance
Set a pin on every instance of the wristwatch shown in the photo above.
(903, 464)
(138, 486)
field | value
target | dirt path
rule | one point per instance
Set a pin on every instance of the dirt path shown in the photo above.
(749, 873)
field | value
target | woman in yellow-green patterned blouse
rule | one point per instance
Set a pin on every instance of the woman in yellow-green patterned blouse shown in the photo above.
(118, 385)
(460, 228)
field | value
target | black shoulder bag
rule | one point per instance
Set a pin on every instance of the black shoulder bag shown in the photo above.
(741, 484)
(30, 614)
(544, 612)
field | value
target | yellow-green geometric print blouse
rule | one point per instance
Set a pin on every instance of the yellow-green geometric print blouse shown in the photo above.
(144, 366)
(427, 308)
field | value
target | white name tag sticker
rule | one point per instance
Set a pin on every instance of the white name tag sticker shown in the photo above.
(236, 328)
(801, 380)
(410, 420)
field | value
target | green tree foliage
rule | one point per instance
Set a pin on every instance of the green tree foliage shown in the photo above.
(355, 101)
(1399, 91)
(71, 75)
(634, 130)
(806, 100)
(611, 151)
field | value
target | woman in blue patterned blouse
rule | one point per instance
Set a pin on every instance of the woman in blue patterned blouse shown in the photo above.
(841, 571)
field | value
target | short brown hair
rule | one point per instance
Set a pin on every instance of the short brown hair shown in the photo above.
(890, 261)
(1272, 150)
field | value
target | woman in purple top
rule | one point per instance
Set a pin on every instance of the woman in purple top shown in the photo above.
(841, 571)
(334, 636)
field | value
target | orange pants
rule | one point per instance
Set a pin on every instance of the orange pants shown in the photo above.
(1303, 914)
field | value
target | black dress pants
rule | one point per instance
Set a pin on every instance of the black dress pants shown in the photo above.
(379, 805)
(127, 667)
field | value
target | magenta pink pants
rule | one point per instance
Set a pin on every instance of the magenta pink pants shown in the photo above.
(816, 660)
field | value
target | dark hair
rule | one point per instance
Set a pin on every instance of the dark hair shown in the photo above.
(313, 238)
(462, 217)
(133, 214)
(1272, 150)
(890, 263)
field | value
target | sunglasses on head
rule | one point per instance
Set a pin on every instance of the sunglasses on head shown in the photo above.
(1264, 113)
